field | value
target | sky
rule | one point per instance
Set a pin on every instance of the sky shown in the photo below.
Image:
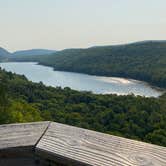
(59, 24)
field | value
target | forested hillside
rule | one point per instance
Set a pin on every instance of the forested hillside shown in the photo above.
(128, 116)
(143, 61)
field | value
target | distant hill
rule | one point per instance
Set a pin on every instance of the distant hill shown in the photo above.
(7, 56)
(33, 52)
(4, 54)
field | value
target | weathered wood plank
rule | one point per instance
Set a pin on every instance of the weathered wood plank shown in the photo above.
(21, 135)
(75, 146)
(72, 145)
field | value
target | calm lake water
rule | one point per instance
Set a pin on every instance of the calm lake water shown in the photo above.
(81, 82)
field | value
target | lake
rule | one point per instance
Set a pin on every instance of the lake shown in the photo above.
(81, 82)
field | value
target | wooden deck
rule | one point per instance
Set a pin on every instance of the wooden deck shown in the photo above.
(68, 145)
(21, 135)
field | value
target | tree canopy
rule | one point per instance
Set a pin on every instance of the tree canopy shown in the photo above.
(127, 116)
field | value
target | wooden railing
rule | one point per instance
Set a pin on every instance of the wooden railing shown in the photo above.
(50, 143)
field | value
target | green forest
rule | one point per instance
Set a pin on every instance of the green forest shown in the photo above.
(129, 116)
(144, 61)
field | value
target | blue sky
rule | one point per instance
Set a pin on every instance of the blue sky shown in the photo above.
(58, 24)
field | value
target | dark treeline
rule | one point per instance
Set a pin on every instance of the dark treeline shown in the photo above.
(127, 116)
(143, 61)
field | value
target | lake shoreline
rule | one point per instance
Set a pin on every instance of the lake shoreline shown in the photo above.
(93, 83)
(163, 90)
(154, 86)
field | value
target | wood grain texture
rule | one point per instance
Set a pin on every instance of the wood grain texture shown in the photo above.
(76, 145)
(57, 143)
(21, 135)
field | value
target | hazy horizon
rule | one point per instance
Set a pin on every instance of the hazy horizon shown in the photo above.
(31, 49)
(60, 24)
